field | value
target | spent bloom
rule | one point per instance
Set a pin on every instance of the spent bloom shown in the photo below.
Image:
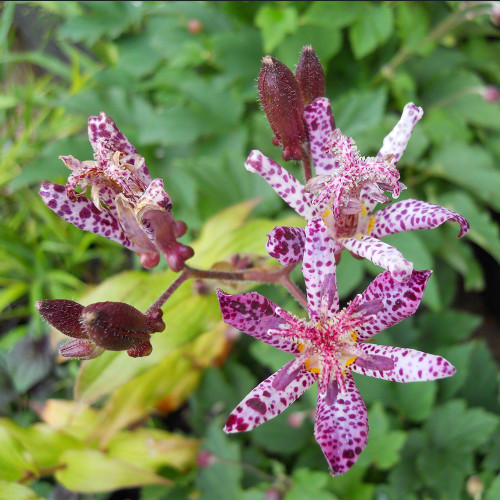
(111, 326)
(346, 189)
(125, 204)
(327, 348)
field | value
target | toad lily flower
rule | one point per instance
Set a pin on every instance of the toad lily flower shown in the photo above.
(327, 348)
(126, 206)
(349, 188)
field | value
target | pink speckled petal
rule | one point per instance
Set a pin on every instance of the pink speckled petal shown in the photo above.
(285, 185)
(286, 244)
(396, 141)
(254, 314)
(341, 429)
(381, 254)
(400, 300)
(409, 365)
(320, 125)
(266, 402)
(319, 262)
(83, 214)
(408, 215)
(103, 130)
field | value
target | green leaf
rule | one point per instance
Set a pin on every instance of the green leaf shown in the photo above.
(15, 491)
(371, 30)
(333, 15)
(349, 274)
(269, 356)
(152, 449)
(220, 480)
(494, 489)
(412, 21)
(416, 400)
(384, 444)
(91, 471)
(357, 111)
(15, 459)
(309, 484)
(276, 22)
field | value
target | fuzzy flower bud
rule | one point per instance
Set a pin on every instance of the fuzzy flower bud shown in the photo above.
(279, 95)
(310, 76)
(112, 326)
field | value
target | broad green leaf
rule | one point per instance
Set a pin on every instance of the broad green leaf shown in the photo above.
(310, 484)
(153, 448)
(412, 22)
(371, 30)
(384, 444)
(357, 111)
(72, 417)
(15, 460)
(275, 22)
(333, 15)
(493, 491)
(166, 385)
(416, 400)
(220, 480)
(349, 274)
(15, 491)
(42, 442)
(91, 471)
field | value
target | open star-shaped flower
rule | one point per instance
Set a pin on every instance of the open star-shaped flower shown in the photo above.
(327, 347)
(126, 205)
(349, 187)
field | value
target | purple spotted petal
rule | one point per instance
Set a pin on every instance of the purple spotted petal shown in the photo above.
(286, 244)
(266, 402)
(400, 301)
(254, 314)
(83, 214)
(103, 131)
(319, 262)
(285, 185)
(396, 141)
(381, 254)
(341, 429)
(408, 215)
(320, 125)
(409, 365)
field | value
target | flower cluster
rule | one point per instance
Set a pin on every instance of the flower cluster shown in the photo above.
(338, 206)
(338, 203)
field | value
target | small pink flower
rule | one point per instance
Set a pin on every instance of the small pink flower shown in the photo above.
(125, 205)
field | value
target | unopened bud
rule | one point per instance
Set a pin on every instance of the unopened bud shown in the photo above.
(495, 13)
(296, 419)
(491, 93)
(205, 458)
(112, 326)
(475, 487)
(310, 76)
(273, 493)
(117, 326)
(280, 97)
(194, 26)
(149, 260)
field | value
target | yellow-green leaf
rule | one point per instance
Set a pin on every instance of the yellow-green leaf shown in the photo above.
(14, 491)
(91, 471)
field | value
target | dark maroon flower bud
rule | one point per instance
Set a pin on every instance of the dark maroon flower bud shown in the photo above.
(64, 315)
(206, 458)
(310, 76)
(112, 326)
(117, 326)
(279, 95)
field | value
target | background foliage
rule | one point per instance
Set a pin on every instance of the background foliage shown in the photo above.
(179, 79)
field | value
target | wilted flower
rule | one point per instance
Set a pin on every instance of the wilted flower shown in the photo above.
(327, 347)
(349, 188)
(126, 206)
(111, 326)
